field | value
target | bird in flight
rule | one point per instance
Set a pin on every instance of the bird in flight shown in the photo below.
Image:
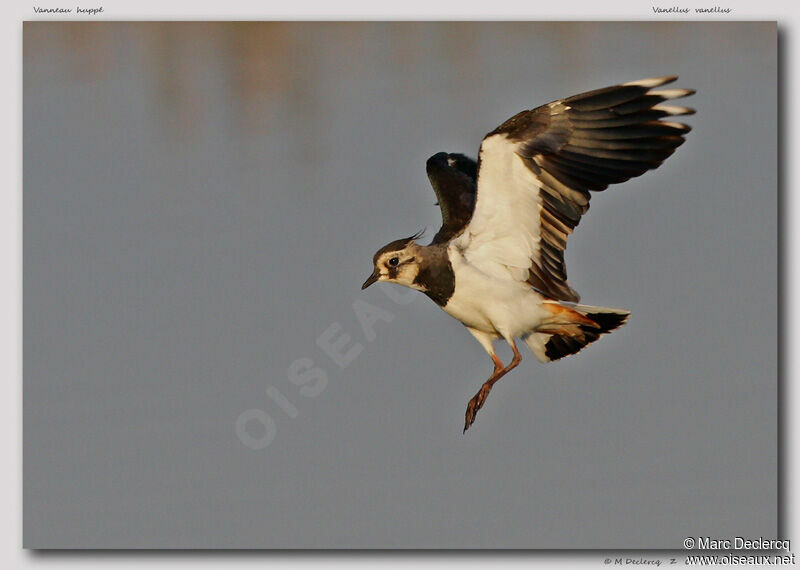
(497, 262)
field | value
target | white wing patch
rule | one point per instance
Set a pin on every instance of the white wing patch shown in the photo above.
(536, 171)
(503, 236)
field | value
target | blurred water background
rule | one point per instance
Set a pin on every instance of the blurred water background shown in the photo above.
(202, 201)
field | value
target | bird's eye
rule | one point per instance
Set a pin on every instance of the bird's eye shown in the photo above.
(394, 261)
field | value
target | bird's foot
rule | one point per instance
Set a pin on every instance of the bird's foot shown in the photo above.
(475, 404)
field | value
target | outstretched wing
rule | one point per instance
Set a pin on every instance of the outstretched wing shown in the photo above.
(453, 179)
(537, 168)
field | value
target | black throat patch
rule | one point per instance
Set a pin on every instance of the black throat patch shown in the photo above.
(437, 279)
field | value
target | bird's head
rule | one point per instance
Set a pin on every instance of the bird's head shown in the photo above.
(397, 262)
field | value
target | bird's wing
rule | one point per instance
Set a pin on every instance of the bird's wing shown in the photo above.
(536, 170)
(453, 179)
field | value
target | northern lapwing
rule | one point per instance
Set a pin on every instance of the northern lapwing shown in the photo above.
(497, 262)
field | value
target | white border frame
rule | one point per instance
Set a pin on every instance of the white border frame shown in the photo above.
(13, 556)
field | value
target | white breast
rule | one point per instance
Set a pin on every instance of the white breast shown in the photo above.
(498, 306)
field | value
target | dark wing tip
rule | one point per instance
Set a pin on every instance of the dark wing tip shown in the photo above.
(438, 160)
(459, 162)
(453, 178)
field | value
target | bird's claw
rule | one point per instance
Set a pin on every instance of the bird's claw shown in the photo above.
(475, 404)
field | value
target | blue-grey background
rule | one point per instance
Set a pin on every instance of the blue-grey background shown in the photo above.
(201, 203)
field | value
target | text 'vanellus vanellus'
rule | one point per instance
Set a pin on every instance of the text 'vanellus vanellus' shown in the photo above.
(497, 262)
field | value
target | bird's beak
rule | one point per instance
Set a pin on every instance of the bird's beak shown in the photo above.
(371, 279)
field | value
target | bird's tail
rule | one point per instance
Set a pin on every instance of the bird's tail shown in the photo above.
(570, 328)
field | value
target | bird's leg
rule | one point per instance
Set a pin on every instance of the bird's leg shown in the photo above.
(476, 403)
(478, 399)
